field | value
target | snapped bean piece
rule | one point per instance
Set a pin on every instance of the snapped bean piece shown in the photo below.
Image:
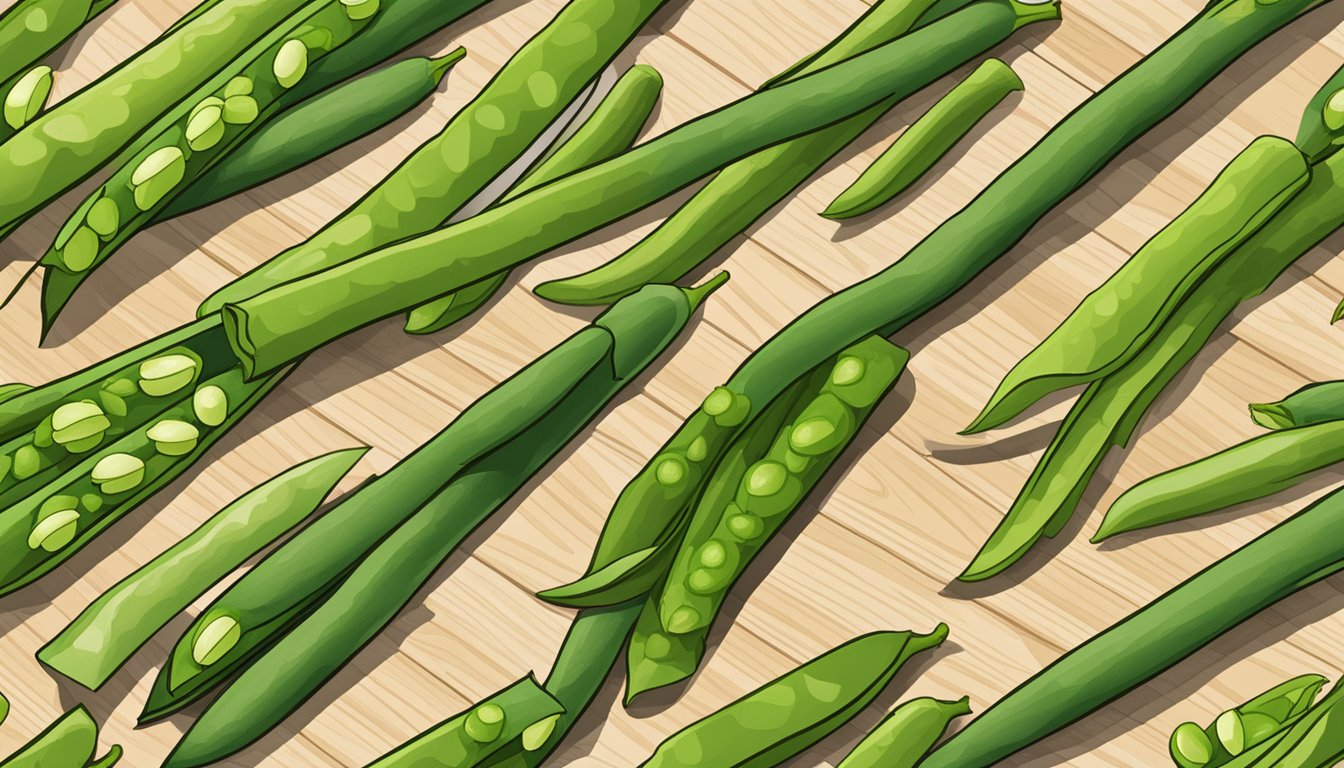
(1245, 728)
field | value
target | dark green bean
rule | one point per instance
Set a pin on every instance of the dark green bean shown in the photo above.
(906, 734)
(1312, 404)
(70, 742)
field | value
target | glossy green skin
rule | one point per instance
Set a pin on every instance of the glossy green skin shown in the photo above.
(1113, 323)
(67, 743)
(397, 543)
(609, 131)
(921, 145)
(72, 140)
(315, 127)
(906, 734)
(1312, 404)
(1265, 718)
(31, 29)
(482, 140)
(382, 282)
(448, 745)
(743, 192)
(96, 644)
(790, 714)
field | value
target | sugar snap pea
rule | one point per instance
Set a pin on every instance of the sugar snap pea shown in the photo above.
(799, 709)
(70, 742)
(930, 137)
(483, 139)
(93, 646)
(1312, 404)
(1246, 727)
(447, 260)
(906, 734)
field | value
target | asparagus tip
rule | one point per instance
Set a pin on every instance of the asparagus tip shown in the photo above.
(698, 294)
(439, 67)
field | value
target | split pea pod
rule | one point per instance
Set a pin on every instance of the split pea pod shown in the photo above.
(105, 634)
(1312, 404)
(531, 91)
(926, 141)
(223, 112)
(1314, 740)
(413, 271)
(906, 734)
(1245, 727)
(315, 127)
(70, 742)
(635, 331)
(610, 130)
(786, 716)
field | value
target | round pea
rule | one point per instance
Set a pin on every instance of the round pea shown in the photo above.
(1190, 745)
(173, 437)
(485, 723)
(76, 423)
(291, 63)
(718, 401)
(1333, 111)
(657, 646)
(205, 129)
(698, 449)
(810, 435)
(27, 461)
(81, 250)
(684, 619)
(28, 96)
(537, 734)
(712, 554)
(211, 405)
(157, 175)
(162, 376)
(118, 473)
(356, 10)
(240, 110)
(670, 470)
(848, 370)
(745, 526)
(766, 478)
(238, 86)
(215, 640)
(703, 582)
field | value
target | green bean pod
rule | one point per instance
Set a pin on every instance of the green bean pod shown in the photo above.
(49, 525)
(1321, 129)
(470, 738)
(1259, 467)
(225, 111)
(1263, 718)
(906, 734)
(1314, 740)
(315, 127)
(383, 282)
(743, 192)
(70, 742)
(926, 141)
(609, 131)
(104, 635)
(1113, 324)
(485, 137)
(23, 98)
(400, 563)
(786, 716)
(1312, 404)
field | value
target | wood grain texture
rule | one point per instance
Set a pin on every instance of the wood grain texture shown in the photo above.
(878, 546)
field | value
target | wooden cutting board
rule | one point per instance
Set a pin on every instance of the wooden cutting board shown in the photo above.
(877, 547)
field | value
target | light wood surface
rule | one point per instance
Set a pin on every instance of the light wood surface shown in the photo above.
(877, 547)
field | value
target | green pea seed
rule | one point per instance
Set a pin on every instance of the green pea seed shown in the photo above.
(684, 619)
(1333, 111)
(173, 438)
(712, 554)
(157, 175)
(359, 9)
(211, 405)
(291, 63)
(74, 423)
(238, 86)
(81, 250)
(54, 531)
(703, 582)
(240, 110)
(42, 434)
(537, 734)
(808, 435)
(485, 723)
(718, 402)
(657, 646)
(120, 387)
(1258, 726)
(795, 463)
(1230, 732)
(91, 502)
(206, 103)
(766, 478)
(698, 449)
(27, 461)
(848, 370)
(104, 217)
(162, 376)
(28, 96)
(118, 473)
(670, 471)
(745, 526)
(205, 128)
(215, 640)
(112, 404)
(1190, 746)
(85, 445)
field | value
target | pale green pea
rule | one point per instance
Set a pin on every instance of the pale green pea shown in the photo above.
(113, 404)
(27, 461)
(118, 473)
(485, 723)
(356, 10)
(81, 250)
(205, 129)
(84, 445)
(238, 86)
(1230, 732)
(215, 640)
(670, 471)
(74, 423)
(162, 376)
(28, 96)
(104, 217)
(698, 449)
(712, 554)
(121, 387)
(291, 63)
(537, 734)
(157, 175)
(683, 620)
(807, 436)
(206, 103)
(848, 370)
(766, 478)
(1333, 111)
(718, 401)
(55, 530)
(703, 582)
(240, 110)
(657, 646)
(91, 502)
(745, 526)
(1190, 746)
(211, 405)
(173, 438)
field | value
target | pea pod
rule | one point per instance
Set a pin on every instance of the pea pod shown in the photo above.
(1312, 404)
(1314, 740)
(786, 716)
(1259, 720)
(906, 734)
(1321, 129)
(70, 742)
(100, 640)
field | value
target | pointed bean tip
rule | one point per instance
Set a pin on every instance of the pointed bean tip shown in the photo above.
(698, 294)
(440, 66)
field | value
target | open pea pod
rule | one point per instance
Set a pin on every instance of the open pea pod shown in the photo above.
(70, 742)
(1116, 321)
(1314, 740)
(1312, 404)
(1264, 718)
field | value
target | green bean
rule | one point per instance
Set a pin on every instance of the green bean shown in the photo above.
(743, 192)
(1312, 404)
(483, 139)
(70, 742)
(396, 541)
(906, 734)
(438, 263)
(786, 716)
(657, 658)
(1246, 727)
(1114, 323)
(178, 148)
(315, 127)
(927, 140)
(100, 640)
(610, 130)
(1259, 467)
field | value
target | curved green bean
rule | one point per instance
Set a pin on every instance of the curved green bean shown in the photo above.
(1261, 719)
(1312, 404)
(100, 640)
(483, 139)
(906, 734)
(786, 716)
(444, 261)
(70, 742)
(610, 130)
(926, 141)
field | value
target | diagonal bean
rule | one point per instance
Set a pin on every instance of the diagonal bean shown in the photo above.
(906, 734)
